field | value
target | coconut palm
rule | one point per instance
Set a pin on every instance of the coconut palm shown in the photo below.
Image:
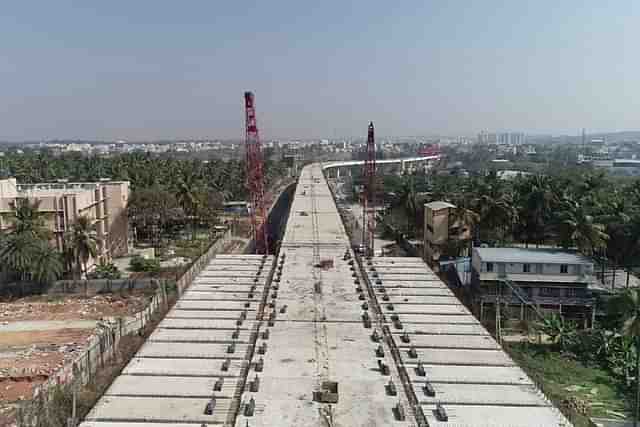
(83, 241)
(17, 253)
(579, 228)
(47, 265)
(536, 201)
(28, 219)
(186, 191)
(495, 205)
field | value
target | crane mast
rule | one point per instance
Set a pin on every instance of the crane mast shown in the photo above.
(369, 223)
(255, 177)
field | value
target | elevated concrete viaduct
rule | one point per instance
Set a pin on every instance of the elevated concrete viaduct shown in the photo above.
(316, 336)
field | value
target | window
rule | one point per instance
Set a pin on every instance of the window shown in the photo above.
(564, 268)
(573, 292)
(549, 292)
(526, 268)
(489, 267)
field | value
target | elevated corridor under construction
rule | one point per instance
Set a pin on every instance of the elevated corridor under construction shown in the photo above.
(328, 340)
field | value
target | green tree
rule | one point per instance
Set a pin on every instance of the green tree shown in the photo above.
(47, 265)
(560, 332)
(27, 219)
(536, 200)
(84, 242)
(495, 205)
(187, 188)
(579, 228)
(18, 252)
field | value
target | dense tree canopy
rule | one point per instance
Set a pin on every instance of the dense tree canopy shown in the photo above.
(585, 210)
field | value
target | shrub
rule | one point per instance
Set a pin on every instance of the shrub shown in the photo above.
(105, 271)
(140, 264)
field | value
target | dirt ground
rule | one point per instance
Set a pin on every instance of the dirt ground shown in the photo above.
(38, 335)
(64, 307)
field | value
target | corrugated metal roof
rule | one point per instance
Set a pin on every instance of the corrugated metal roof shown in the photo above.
(439, 205)
(530, 255)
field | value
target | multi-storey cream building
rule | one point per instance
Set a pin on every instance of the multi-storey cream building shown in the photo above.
(442, 227)
(105, 202)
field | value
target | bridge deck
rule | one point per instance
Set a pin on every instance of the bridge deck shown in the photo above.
(311, 329)
(200, 342)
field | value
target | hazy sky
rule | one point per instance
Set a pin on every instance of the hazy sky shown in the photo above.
(162, 69)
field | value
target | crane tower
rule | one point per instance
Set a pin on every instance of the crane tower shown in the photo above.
(369, 223)
(255, 177)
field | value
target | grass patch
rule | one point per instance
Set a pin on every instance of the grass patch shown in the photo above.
(571, 384)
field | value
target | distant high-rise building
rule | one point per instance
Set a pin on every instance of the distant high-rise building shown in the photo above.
(511, 138)
(503, 138)
(485, 137)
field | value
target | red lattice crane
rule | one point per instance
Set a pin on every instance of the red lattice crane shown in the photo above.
(369, 223)
(255, 178)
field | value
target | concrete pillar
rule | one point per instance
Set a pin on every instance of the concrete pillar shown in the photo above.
(337, 173)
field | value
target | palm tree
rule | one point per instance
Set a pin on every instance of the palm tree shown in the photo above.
(28, 219)
(47, 265)
(494, 203)
(407, 198)
(18, 252)
(83, 241)
(579, 228)
(537, 199)
(187, 189)
(626, 305)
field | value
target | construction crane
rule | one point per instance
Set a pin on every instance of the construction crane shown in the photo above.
(369, 202)
(255, 177)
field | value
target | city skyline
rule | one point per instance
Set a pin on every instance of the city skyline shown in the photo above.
(158, 70)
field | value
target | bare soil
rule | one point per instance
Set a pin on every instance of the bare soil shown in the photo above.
(71, 307)
(28, 357)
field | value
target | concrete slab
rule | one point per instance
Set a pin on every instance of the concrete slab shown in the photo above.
(209, 314)
(158, 409)
(485, 394)
(194, 294)
(469, 374)
(395, 284)
(201, 335)
(400, 293)
(215, 305)
(480, 342)
(435, 318)
(289, 401)
(458, 357)
(171, 350)
(224, 287)
(423, 299)
(500, 416)
(176, 323)
(442, 329)
(425, 309)
(154, 386)
(182, 367)
(411, 278)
